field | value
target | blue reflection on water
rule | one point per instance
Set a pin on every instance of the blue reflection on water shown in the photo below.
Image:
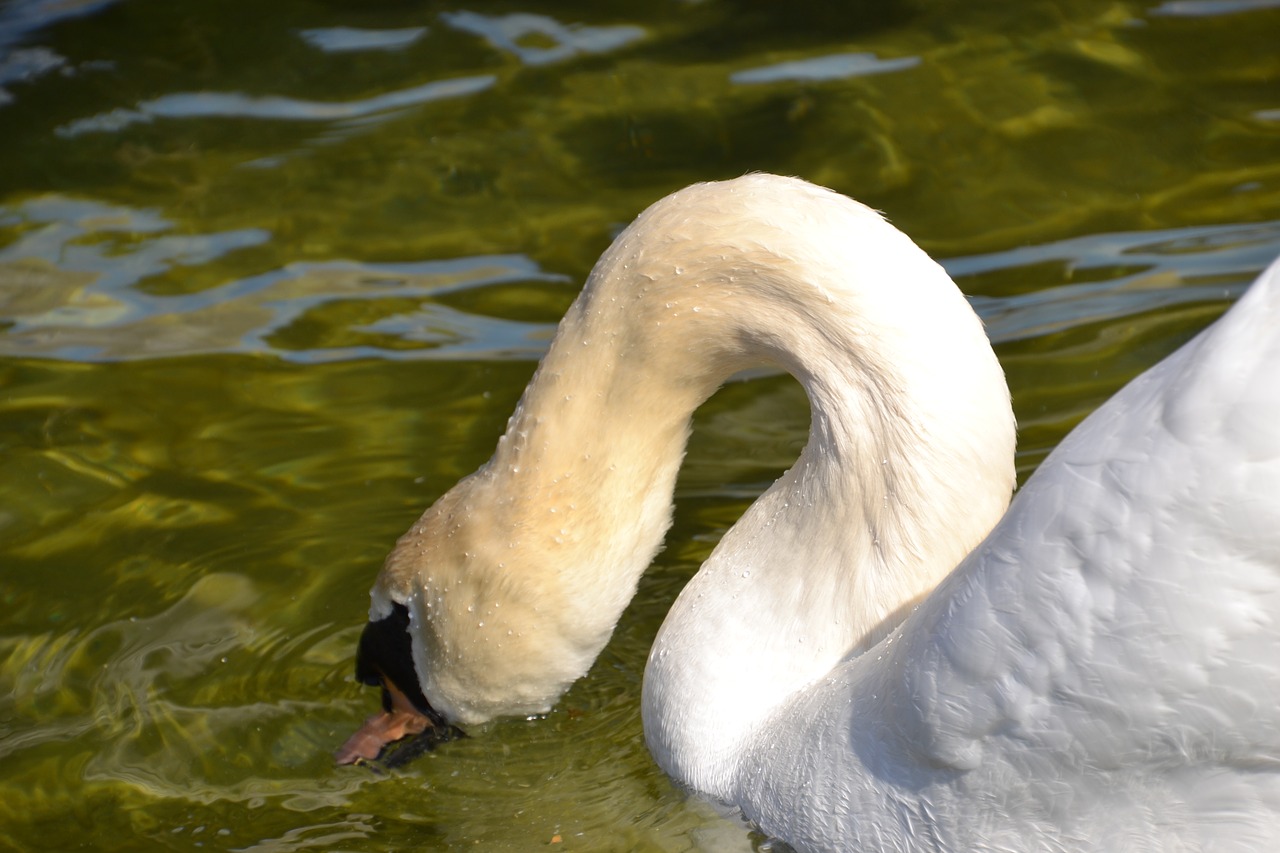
(834, 67)
(1211, 8)
(346, 39)
(74, 286)
(22, 62)
(70, 289)
(238, 105)
(1140, 271)
(525, 35)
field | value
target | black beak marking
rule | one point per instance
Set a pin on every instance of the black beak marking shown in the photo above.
(385, 654)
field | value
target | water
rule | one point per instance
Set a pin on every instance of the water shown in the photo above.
(273, 275)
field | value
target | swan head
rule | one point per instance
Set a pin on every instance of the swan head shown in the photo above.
(509, 586)
(384, 659)
(474, 617)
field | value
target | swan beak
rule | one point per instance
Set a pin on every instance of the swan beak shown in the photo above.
(398, 720)
(385, 659)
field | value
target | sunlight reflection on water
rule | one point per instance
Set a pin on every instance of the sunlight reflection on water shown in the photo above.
(266, 290)
(1135, 272)
(344, 39)
(276, 108)
(69, 285)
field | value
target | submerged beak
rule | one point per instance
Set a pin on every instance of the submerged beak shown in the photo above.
(398, 720)
(385, 659)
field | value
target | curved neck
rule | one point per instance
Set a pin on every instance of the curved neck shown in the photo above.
(909, 464)
(905, 470)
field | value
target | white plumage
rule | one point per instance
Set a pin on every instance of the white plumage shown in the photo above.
(1101, 672)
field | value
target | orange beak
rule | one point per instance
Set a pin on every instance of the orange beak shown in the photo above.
(400, 720)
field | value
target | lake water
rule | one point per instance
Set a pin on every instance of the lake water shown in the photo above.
(272, 276)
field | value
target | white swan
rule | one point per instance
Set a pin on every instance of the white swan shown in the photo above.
(1102, 672)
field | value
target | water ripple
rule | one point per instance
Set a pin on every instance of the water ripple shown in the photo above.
(239, 105)
(69, 289)
(1133, 272)
(346, 39)
(837, 66)
(525, 35)
(19, 19)
(1211, 8)
(72, 287)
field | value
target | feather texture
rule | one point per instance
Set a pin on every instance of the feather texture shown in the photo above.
(878, 656)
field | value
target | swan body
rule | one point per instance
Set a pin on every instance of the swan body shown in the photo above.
(878, 656)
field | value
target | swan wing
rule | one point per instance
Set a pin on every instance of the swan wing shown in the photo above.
(1119, 631)
(1103, 671)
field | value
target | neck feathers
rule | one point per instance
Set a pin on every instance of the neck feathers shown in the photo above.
(519, 574)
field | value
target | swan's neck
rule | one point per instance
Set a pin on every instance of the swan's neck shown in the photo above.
(909, 463)
(517, 576)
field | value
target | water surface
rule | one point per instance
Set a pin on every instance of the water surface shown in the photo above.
(273, 275)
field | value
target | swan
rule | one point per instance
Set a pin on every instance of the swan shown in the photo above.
(883, 653)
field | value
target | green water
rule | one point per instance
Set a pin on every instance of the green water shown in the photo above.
(268, 286)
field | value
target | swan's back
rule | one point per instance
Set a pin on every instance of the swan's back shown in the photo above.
(1103, 672)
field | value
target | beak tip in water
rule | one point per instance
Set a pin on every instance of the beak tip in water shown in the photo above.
(379, 732)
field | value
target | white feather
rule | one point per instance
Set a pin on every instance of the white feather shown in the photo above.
(855, 665)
